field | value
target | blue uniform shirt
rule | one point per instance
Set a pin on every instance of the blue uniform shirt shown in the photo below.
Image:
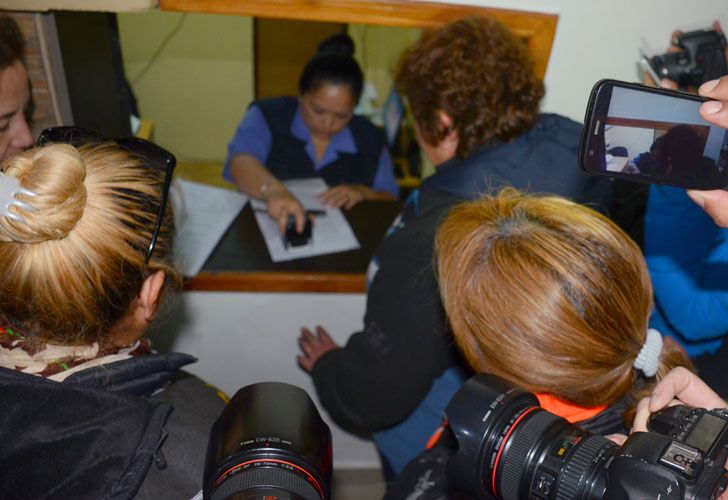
(253, 137)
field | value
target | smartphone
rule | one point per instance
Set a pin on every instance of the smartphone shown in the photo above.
(646, 134)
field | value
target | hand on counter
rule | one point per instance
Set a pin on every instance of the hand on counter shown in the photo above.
(345, 195)
(313, 347)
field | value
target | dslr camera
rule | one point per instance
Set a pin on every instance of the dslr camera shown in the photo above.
(269, 443)
(702, 58)
(508, 447)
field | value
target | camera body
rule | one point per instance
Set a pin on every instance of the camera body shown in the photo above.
(702, 58)
(510, 448)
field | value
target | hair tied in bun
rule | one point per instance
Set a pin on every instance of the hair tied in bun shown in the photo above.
(9, 190)
(337, 44)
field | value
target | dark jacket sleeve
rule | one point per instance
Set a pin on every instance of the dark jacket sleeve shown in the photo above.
(179, 463)
(384, 371)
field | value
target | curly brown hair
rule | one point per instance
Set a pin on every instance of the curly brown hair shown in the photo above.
(478, 73)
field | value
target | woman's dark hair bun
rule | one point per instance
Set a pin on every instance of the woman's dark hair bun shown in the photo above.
(338, 43)
(333, 63)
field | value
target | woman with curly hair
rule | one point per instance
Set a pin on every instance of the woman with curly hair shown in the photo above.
(475, 101)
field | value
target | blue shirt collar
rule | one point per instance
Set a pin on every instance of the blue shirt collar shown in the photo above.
(342, 142)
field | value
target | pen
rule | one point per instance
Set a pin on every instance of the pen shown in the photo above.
(316, 213)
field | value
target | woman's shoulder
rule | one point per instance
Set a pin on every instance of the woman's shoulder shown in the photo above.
(276, 103)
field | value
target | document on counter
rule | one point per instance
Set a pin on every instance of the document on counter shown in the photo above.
(203, 214)
(331, 231)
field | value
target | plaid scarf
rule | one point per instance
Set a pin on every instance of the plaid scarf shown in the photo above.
(57, 362)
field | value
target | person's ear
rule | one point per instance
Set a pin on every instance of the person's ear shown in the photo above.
(452, 139)
(147, 302)
(141, 312)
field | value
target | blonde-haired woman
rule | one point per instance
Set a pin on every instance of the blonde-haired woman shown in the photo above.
(86, 255)
(554, 297)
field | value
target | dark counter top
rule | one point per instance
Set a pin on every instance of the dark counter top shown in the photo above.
(241, 262)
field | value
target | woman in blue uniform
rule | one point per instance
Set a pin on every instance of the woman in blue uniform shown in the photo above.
(316, 135)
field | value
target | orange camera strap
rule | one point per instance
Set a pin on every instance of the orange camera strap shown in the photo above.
(548, 402)
(569, 411)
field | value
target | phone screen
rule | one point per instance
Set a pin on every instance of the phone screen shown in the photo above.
(652, 135)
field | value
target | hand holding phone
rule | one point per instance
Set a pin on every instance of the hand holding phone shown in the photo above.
(644, 134)
(291, 236)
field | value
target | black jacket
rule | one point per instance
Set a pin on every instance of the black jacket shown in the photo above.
(384, 371)
(102, 434)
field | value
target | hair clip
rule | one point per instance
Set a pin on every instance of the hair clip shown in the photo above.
(9, 189)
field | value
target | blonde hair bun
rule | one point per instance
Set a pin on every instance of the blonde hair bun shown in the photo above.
(56, 173)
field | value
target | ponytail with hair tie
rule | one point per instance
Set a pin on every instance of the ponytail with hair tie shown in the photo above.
(648, 359)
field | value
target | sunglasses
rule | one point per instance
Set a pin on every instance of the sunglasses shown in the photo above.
(156, 156)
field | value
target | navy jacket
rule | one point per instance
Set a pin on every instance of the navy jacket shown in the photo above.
(383, 372)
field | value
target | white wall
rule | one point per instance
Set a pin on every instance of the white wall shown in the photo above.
(601, 39)
(244, 338)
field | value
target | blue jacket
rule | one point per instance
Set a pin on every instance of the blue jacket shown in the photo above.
(687, 256)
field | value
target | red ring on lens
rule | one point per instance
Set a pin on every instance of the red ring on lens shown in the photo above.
(308, 475)
(503, 443)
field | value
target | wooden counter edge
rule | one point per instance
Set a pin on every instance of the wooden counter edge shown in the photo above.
(304, 282)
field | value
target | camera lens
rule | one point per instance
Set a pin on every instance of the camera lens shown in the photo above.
(510, 448)
(270, 441)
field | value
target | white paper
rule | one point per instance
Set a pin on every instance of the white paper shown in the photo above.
(203, 215)
(331, 232)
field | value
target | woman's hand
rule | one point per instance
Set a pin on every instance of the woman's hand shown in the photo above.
(680, 386)
(345, 195)
(282, 203)
(715, 111)
(714, 202)
(313, 347)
